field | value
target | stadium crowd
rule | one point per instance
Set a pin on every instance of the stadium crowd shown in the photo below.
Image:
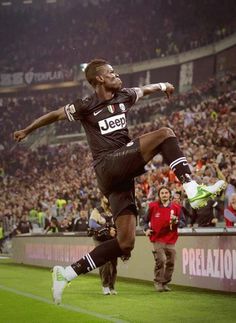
(54, 186)
(159, 35)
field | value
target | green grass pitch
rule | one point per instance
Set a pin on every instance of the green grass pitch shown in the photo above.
(25, 297)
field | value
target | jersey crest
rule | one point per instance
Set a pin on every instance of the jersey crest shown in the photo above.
(111, 108)
(122, 107)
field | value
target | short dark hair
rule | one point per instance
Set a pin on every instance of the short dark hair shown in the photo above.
(91, 70)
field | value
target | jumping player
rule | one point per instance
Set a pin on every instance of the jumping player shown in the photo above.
(118, 159)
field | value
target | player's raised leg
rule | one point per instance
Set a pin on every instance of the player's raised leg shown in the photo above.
(165, 142)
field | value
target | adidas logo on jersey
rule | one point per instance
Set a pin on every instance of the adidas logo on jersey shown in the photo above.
(112, 124)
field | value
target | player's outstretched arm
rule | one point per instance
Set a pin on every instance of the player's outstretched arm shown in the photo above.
(152, 88)
(44, 120)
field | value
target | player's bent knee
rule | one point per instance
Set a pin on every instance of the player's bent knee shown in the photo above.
(127, 246)
(167, 132)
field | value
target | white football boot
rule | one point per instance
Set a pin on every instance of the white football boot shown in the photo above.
(199, 195)
(59, 283)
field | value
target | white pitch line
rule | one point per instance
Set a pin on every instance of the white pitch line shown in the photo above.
(4, 257)
(66, 306)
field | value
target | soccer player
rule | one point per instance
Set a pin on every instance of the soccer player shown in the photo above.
(117, 160)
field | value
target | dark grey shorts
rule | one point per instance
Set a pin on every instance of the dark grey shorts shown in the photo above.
(115, 175)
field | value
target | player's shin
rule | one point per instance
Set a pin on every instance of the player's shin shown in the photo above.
(97, 257)
(198, 195)
(174, 157)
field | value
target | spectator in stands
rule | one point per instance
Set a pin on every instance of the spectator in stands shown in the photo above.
(81, 222)
(66, 224)
(61, 206)
(41, 218)
(206, 216)
(230, 212)
(53, 226)
(231, 185)
(51, 223)
(162, 221)
(33, 214)
(62, 49)
(24, 226)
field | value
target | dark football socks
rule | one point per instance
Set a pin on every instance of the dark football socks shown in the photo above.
(98, 256)
(174, 157)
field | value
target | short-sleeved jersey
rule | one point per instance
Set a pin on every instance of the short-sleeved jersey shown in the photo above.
(104, 122)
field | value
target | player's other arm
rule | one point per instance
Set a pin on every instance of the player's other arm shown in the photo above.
(153, 88)
(44, 120)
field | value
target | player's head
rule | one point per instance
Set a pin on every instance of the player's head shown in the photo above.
(100, 72)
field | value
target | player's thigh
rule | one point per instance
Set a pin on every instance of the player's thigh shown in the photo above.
(120, 166)
(150, 142)
(126, 223)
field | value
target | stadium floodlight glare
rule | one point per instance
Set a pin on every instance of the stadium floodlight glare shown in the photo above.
(51, 1)
(6, 3)
(27, 1)
(83, 66)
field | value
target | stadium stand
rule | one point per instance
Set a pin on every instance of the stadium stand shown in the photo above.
(124, 39)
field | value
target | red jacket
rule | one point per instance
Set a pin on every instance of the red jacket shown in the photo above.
(159, 222)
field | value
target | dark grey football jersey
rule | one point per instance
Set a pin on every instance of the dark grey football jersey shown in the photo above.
(104, 122)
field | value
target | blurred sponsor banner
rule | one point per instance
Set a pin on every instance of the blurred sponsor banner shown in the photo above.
(56, 252)
(31, 77)
(204, 261)
(47, 250)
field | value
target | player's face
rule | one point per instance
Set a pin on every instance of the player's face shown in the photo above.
(164, 195)
(110, 79)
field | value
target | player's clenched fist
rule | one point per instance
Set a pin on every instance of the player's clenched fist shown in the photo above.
(19, 135)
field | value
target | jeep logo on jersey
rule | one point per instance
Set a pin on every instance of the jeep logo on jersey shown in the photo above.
(112, 124)
(111, 108)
